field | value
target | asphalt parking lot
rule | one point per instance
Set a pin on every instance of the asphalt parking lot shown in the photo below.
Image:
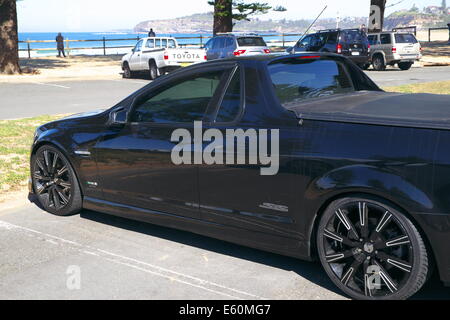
(117, 258)
(96, 256)
(35, 98)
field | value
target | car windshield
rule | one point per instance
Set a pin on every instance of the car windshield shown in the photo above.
(296, 80)
(405, 38)
(251, 42)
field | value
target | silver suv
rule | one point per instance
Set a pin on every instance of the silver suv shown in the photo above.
(226, 45)
(390, 48)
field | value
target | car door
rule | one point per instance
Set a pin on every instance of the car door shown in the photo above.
(135, 161)
(386, 46)
(238, 195)
(135, 59)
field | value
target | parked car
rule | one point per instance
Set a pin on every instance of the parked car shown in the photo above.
(391, 48)
(351, 43)
(159, 55)
(362, 179)
(226, 45)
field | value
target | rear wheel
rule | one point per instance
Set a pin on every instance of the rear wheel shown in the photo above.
(378, 63)
(364, 66)
(370, 250)
(153, 70)
(405, 65)
(54, 182)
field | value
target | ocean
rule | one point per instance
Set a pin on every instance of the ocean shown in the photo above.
(96, 47)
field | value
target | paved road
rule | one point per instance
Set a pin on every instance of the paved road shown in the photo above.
(397, 77)
(41, 254)
(31, 99)
(38, 98)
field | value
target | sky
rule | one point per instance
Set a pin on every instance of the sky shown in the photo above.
(107, 15)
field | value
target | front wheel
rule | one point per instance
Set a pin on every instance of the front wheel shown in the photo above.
(370, 250)
(127, 74)
(54, 182)
(378, 63)
(405, 65)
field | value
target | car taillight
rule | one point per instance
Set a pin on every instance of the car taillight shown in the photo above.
(368, 47)
(421, 49)
(309, 57)
(166, 56)
(394, 50)
(239, 52)
(266, 51)
(339, 48)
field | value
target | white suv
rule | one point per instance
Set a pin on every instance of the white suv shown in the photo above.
(390, 48)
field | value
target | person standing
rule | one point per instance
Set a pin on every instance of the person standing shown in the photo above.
(60, 45)
(151, 33)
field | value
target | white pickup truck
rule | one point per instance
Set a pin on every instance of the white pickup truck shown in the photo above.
(159, 55)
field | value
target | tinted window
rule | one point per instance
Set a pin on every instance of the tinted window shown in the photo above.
(385, 38)
(295, 80)
(158, 43)
(354, 36)
(251, 42)
(229, 42)
(305, 41)
(218, 43)
(150, 43)
(332, 38)
(231, 103)
(184, 101)
(405, 38)
(373, 39)
(164, 43)
(209, 44)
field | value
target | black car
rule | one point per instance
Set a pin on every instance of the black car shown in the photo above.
(360, 182)
(351, 43)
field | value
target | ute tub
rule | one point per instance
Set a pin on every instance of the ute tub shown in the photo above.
(379, 108)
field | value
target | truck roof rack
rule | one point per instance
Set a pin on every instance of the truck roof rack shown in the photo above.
(338, 29)
(237, 34)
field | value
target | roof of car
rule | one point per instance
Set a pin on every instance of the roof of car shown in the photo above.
(275, 56)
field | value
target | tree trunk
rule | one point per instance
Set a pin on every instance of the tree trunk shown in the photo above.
(223, 18)
(9, 53)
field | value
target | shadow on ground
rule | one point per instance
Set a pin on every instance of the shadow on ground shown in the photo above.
(55, 62)
(436, 49)
(312, 271)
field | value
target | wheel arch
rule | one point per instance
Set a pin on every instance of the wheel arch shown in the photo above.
(379, 53)
(61, 149)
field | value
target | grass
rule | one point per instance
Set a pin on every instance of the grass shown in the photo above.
(16, 137)
(441, 87)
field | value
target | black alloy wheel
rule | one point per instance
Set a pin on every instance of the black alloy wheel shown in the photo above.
(54, 182)
(370, 250)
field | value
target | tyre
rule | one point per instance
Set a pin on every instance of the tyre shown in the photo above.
(365, 66)
(378, 63)
(54, 182)
(126, 71)
(405, 65)
(153, 70)
(370, 250)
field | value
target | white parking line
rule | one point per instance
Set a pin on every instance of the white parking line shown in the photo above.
(138, 265)
(51, 85)
(132, 81)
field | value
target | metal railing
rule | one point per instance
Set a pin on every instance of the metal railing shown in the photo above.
(283, 40)
(431, 29)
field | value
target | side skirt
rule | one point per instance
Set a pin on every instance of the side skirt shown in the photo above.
(257, 240)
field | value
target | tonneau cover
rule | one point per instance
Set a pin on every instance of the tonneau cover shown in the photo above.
(380, 108)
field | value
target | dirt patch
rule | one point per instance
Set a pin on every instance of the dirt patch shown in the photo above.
(71, 68)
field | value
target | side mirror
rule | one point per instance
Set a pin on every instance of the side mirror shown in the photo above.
(118, 117)
(290, 50)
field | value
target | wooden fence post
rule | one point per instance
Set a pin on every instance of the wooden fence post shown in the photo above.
(68, 46)
(104, 46)
(283, 41)
(28, 47)
(429, 34)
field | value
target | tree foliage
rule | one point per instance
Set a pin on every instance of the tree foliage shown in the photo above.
(225, 11)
